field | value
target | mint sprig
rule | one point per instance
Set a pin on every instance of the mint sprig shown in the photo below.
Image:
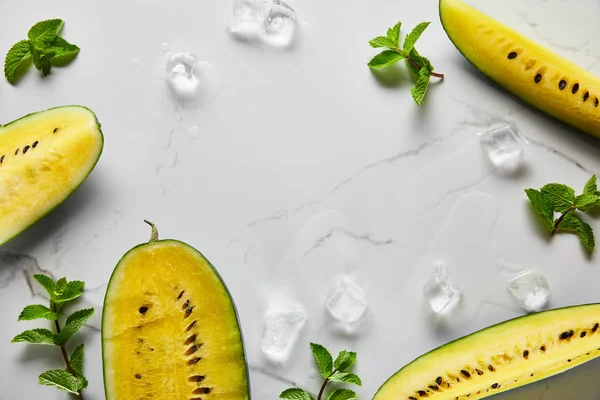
(44, 47)
(417, 64)
(61, 292)
(331, 371)
(559, 198)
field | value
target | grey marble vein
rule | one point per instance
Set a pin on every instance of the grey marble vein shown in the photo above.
(273, 375)
(542, 145)
(12, 265)
(359, 237)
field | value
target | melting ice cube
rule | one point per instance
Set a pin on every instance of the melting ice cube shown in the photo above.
(193, 83)
(531, 289)
(504, 145)
(440, 292)
(271, 22)
(346, 301)
(281, 331)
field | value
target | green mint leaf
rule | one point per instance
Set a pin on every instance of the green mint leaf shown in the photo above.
(74, 322)
(420, 89)
(16, 61)
(413, 36)
(76, 360)
(591, 187)
(345, 360)
(60, 379)
(345, 377)
(542, 206)
(45, 31)
(36, 311)
(323, 358)
(573, 223)
(41, 59)
(70, 291)
(342, 394)
(385, 58)
(561, 196)
(36, 336)
(46, 282)
(295, 394)
(586, 201)
(382, 41)
(418, 62)
(394, 34)
(64, 52)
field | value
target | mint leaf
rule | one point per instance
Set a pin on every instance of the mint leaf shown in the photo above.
(323, 358)
(77, 360)
(420, 89)
(36, 311)
(342, 394)
(561, 196)
(382, 41)
(45, 31)
(60, 379)
(591, 187)
(345, 360)
(345, 377)
(385, 58)
(40, 58)
(74, 322)
(542, 206)
(295, 394)
(64, 52)
(413, 36)
(418, 62)
(37, 336)
(394, 34)
(69, 291)
(586, 201)
(573, 223)
(16, 61)
(46, 282)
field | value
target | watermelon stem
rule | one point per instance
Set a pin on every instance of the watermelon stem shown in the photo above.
(154, 235)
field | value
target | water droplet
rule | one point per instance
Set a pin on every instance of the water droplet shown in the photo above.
(194, 132)
(164, 47)
(135, 62)
(193, 83)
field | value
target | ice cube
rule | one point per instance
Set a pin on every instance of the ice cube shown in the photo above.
(504, 145)
(193, 83)
(270, 22)
(531, 289)
(440, 292)
(282, 328)
(346, 301)
(279, 23)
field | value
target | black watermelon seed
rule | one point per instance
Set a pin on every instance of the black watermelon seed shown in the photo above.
(596, 102)
(55, 129)
(569, 360)
(571, 333)
(512, 54)
(180, 294)
(143, 309)
(185, 305)
(491, 368)
(595, 328)
(433, 387)
(526, 353)
(538, 78)
(562, 85)
(586, 96)
(422, 393)
(465, 373)
(479, 372)
(34, 145)
(189, 310)
(138, 376)
(582, 334)
(25, 149)
(1, 159)
(543, 348)
(564, 335)
(17, 152)
(412, 398)
(438, 380)
(495, 386)
(575, 88)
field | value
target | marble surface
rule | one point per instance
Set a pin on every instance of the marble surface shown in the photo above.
(306, 167)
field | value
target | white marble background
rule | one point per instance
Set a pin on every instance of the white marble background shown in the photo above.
(306, 167)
